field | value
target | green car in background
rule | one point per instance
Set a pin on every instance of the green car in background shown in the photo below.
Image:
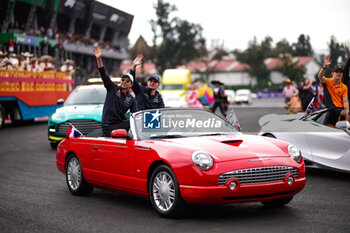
(83, 109)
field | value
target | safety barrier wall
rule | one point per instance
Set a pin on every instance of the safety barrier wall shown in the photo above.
(15, 80)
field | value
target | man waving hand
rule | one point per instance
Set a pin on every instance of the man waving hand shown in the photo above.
(146, 97)
(336, 92)
(118, 99)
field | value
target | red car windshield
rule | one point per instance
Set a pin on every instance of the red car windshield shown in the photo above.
(171, 123)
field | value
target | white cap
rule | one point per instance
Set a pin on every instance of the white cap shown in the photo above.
(129, 76)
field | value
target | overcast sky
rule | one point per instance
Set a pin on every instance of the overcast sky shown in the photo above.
(237, 21)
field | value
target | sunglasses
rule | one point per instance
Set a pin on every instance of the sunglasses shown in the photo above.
(126, 80)
(338, 71)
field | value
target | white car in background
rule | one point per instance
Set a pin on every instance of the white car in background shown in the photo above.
(230, 96)
(243, 96)
(174, 101)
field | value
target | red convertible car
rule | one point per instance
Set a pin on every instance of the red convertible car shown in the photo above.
(179, 156)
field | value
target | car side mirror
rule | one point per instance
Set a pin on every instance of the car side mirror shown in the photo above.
(119, 133)
(342, 125)
(60, 102)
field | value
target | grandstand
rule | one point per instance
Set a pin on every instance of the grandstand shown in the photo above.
(66, 29)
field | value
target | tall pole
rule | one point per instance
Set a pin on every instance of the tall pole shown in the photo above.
(30, 18)
(9, 13)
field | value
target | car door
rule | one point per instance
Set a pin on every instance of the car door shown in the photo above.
(85, 148)
(294, 132)
(329, 145)
(113, 162)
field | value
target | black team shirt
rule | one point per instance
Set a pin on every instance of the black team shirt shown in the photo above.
(144, 98)
(117, 103)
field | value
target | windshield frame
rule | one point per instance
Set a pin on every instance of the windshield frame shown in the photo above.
(315, 114)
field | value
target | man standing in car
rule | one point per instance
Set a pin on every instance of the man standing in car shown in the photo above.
(146, 97)
(336, 92)
(118, 99)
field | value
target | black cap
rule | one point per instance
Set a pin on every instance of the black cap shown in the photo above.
(338, 67)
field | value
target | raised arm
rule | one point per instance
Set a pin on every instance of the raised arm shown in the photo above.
(136, 87)
(326, 63)
(137, 62)
(98, 55)
(107, 82)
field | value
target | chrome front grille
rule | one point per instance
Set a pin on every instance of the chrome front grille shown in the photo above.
(84, 126)
(259, 175)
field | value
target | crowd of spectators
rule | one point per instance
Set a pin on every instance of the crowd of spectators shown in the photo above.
(63, 37)
(28, 62)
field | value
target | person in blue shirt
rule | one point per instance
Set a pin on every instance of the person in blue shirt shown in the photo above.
(146, 97)
(118, 99)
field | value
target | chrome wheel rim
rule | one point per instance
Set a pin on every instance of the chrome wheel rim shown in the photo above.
(163, 191)
(73, 173)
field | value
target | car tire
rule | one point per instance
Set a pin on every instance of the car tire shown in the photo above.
(278, 202)
(76, 182)
(2, 117)
(13, 119)
(165, 194)
(54, 145)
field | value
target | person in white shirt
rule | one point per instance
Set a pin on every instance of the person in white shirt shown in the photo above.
(289, 91)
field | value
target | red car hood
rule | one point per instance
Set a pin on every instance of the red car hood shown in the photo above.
(234, 147)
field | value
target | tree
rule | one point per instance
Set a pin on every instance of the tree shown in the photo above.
(334, 51)
(283, 47)
(162, 27)
(188, 42)
(338, 52)
(303, 46)
(141, 47)
(290, 68)
(180, 40)
(266, 47)
(254, 56)
(217, 50)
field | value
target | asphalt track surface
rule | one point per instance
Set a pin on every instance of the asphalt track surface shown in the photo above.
(34, 196)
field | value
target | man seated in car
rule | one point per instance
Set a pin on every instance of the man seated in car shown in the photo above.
(336, 93)
(146, 97)
(118, 99)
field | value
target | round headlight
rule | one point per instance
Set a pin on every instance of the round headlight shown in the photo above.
(294, 152)
(56, 117)
(290, 180)
(202, 160)
(232, 185)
